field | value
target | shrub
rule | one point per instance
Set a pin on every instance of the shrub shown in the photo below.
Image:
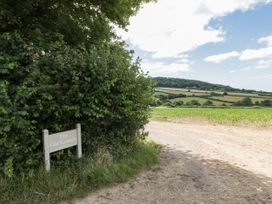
(179, 103)
(208, 103)
(257, 103)
(266, 103)
(244, 102)
(156, 102)
(215, 94)
(193, 103)
(49, 84)
(165, 97)
(173, 96)
(169, 104)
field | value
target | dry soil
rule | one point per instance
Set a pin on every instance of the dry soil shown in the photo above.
(200, 163)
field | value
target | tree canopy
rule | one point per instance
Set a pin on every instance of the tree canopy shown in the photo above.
(87, 21)
(62, 64)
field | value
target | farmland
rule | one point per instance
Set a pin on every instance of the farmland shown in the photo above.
(182, 99)
(261, 117)
(176, 97)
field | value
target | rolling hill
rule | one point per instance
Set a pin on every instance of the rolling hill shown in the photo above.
(195, 84)
(175, 92)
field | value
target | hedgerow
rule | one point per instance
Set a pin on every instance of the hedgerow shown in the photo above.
(57, 87)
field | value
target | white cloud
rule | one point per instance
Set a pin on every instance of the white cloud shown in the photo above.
(248, 54)
(232, 71)
(264, 64)
(267, 40)
(222, 57)
(252, 54)
(157, 69)
(261, 64)
(171, 27)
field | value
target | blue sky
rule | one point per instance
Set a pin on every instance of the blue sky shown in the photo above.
(226, 42)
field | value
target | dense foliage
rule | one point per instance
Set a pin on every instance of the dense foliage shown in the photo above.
(191, 84)
(87, 21)
(61, 64)
(246, 101)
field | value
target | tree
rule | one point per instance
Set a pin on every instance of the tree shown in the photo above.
(208, 103)
(194, 84)
(266, 103)
(60, 64)
(193, 103)
(179, 103)
(246, 101)
(87, 21)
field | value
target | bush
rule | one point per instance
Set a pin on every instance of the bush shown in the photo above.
(215, 94)
(208, 103)
(257, 103)
(193, 103)
(266, 103)
(179, 103)
(170, 104)
(165, 97)
(156, 102)
(48, 84)
(244, 102)
(162, 97)
(174, 104)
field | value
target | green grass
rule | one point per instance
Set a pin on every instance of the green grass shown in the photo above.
(78, 180)
(235, 116)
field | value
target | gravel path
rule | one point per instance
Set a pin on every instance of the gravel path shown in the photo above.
(200, 164)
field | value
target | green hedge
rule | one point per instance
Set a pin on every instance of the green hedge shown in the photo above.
(47, 84)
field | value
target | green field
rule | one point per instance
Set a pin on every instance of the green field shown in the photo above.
(235, 116)
(180, 97)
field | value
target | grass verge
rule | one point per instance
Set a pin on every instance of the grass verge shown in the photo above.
(77, 181)
(260, 117)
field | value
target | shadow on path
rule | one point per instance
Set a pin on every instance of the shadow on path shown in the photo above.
(185, 178)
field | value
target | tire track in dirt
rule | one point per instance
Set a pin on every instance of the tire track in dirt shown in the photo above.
(200, 164)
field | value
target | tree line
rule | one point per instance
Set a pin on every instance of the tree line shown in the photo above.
(194, 84)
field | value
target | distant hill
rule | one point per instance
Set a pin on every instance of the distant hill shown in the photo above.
(194, 84)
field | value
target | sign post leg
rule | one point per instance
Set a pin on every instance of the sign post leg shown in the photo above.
(79, 147)
(46, 150)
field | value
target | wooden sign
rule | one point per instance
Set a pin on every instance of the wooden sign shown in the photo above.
(59, 141)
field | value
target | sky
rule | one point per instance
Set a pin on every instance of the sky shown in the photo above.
(219, 41)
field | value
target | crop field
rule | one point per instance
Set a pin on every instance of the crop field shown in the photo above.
(177, 97)
(261, 117)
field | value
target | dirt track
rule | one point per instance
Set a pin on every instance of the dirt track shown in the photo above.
(201, 164)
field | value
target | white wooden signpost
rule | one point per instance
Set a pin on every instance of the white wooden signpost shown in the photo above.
(59, 141)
